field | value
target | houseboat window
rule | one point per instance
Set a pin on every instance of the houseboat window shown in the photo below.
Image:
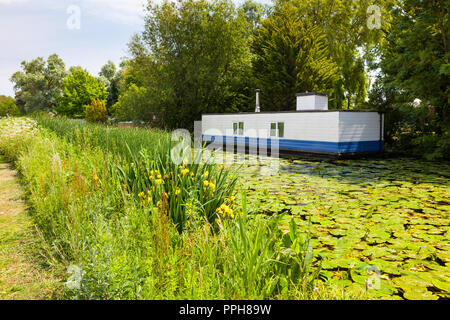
(277, 129)
(273, 129)
(280, 129)
(238, 128)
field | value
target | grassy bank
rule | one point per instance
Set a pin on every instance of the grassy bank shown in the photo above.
(23, 274)
(135, 226)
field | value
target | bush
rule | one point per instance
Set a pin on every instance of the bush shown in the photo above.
(133, 105)
(96, 111)
(8, 107)
(79, 89)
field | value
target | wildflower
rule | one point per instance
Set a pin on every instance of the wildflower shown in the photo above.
(141, 195)
(206, 175)
(212, 186)
(159, 181)
(177, 192)
(225, 210)
(159, 176)
(206, 183)
(185, 171)
(166, 176)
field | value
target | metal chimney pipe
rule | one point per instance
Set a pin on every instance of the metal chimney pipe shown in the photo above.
(257, 109)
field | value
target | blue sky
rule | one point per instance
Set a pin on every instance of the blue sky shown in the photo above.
(33, 28)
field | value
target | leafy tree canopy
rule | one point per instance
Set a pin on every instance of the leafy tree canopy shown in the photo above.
(291, 55)
(415, 57)
(111, 78)
(80, 88)
(8, 107)
(193, 58)
(39, 85)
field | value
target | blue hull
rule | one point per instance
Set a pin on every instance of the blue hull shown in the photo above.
(300, 145)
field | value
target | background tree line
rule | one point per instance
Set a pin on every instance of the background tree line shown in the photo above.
(208, 56)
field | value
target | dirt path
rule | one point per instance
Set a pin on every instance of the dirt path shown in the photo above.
(21, 276)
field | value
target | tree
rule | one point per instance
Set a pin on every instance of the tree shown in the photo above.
(254, 12)
(110, 78)
(412, 84)
(350, 40)
(8, 107)
(80, 88)
(39, 85)
(133, 105)
(416, 57)
(291, 56)
(196, 53)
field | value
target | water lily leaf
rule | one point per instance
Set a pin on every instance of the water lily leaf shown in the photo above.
(441, 284)
(338, 232)
(329, 264)
(411, 283)
(347, 263)
(420, 295)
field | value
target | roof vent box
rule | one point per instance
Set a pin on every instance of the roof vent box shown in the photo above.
(312, 101)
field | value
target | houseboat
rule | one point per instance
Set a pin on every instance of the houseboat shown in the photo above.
(311, 129)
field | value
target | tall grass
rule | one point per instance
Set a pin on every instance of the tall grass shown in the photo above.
(103, 213)
(145, 169)
(123, 142)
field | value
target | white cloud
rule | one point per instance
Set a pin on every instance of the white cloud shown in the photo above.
(122, 11)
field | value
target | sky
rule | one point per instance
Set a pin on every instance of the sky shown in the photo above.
(87, 33)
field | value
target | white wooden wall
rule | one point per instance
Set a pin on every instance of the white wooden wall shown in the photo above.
(359, 126)
(314, 126)
(312, 102)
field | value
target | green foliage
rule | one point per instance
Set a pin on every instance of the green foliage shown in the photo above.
(80, 88)
(8, 107)
(133, 105)
(291, 56)
(416, 56)
(96, 111)
(119, 245)
(182, 189)
(412, 87)
(111, 78)
(39, 85)
(192, 59)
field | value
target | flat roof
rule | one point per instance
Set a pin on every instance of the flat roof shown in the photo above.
(282, 112)
(311, 94)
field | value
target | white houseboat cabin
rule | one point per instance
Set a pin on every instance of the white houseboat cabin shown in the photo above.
(312, 128)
